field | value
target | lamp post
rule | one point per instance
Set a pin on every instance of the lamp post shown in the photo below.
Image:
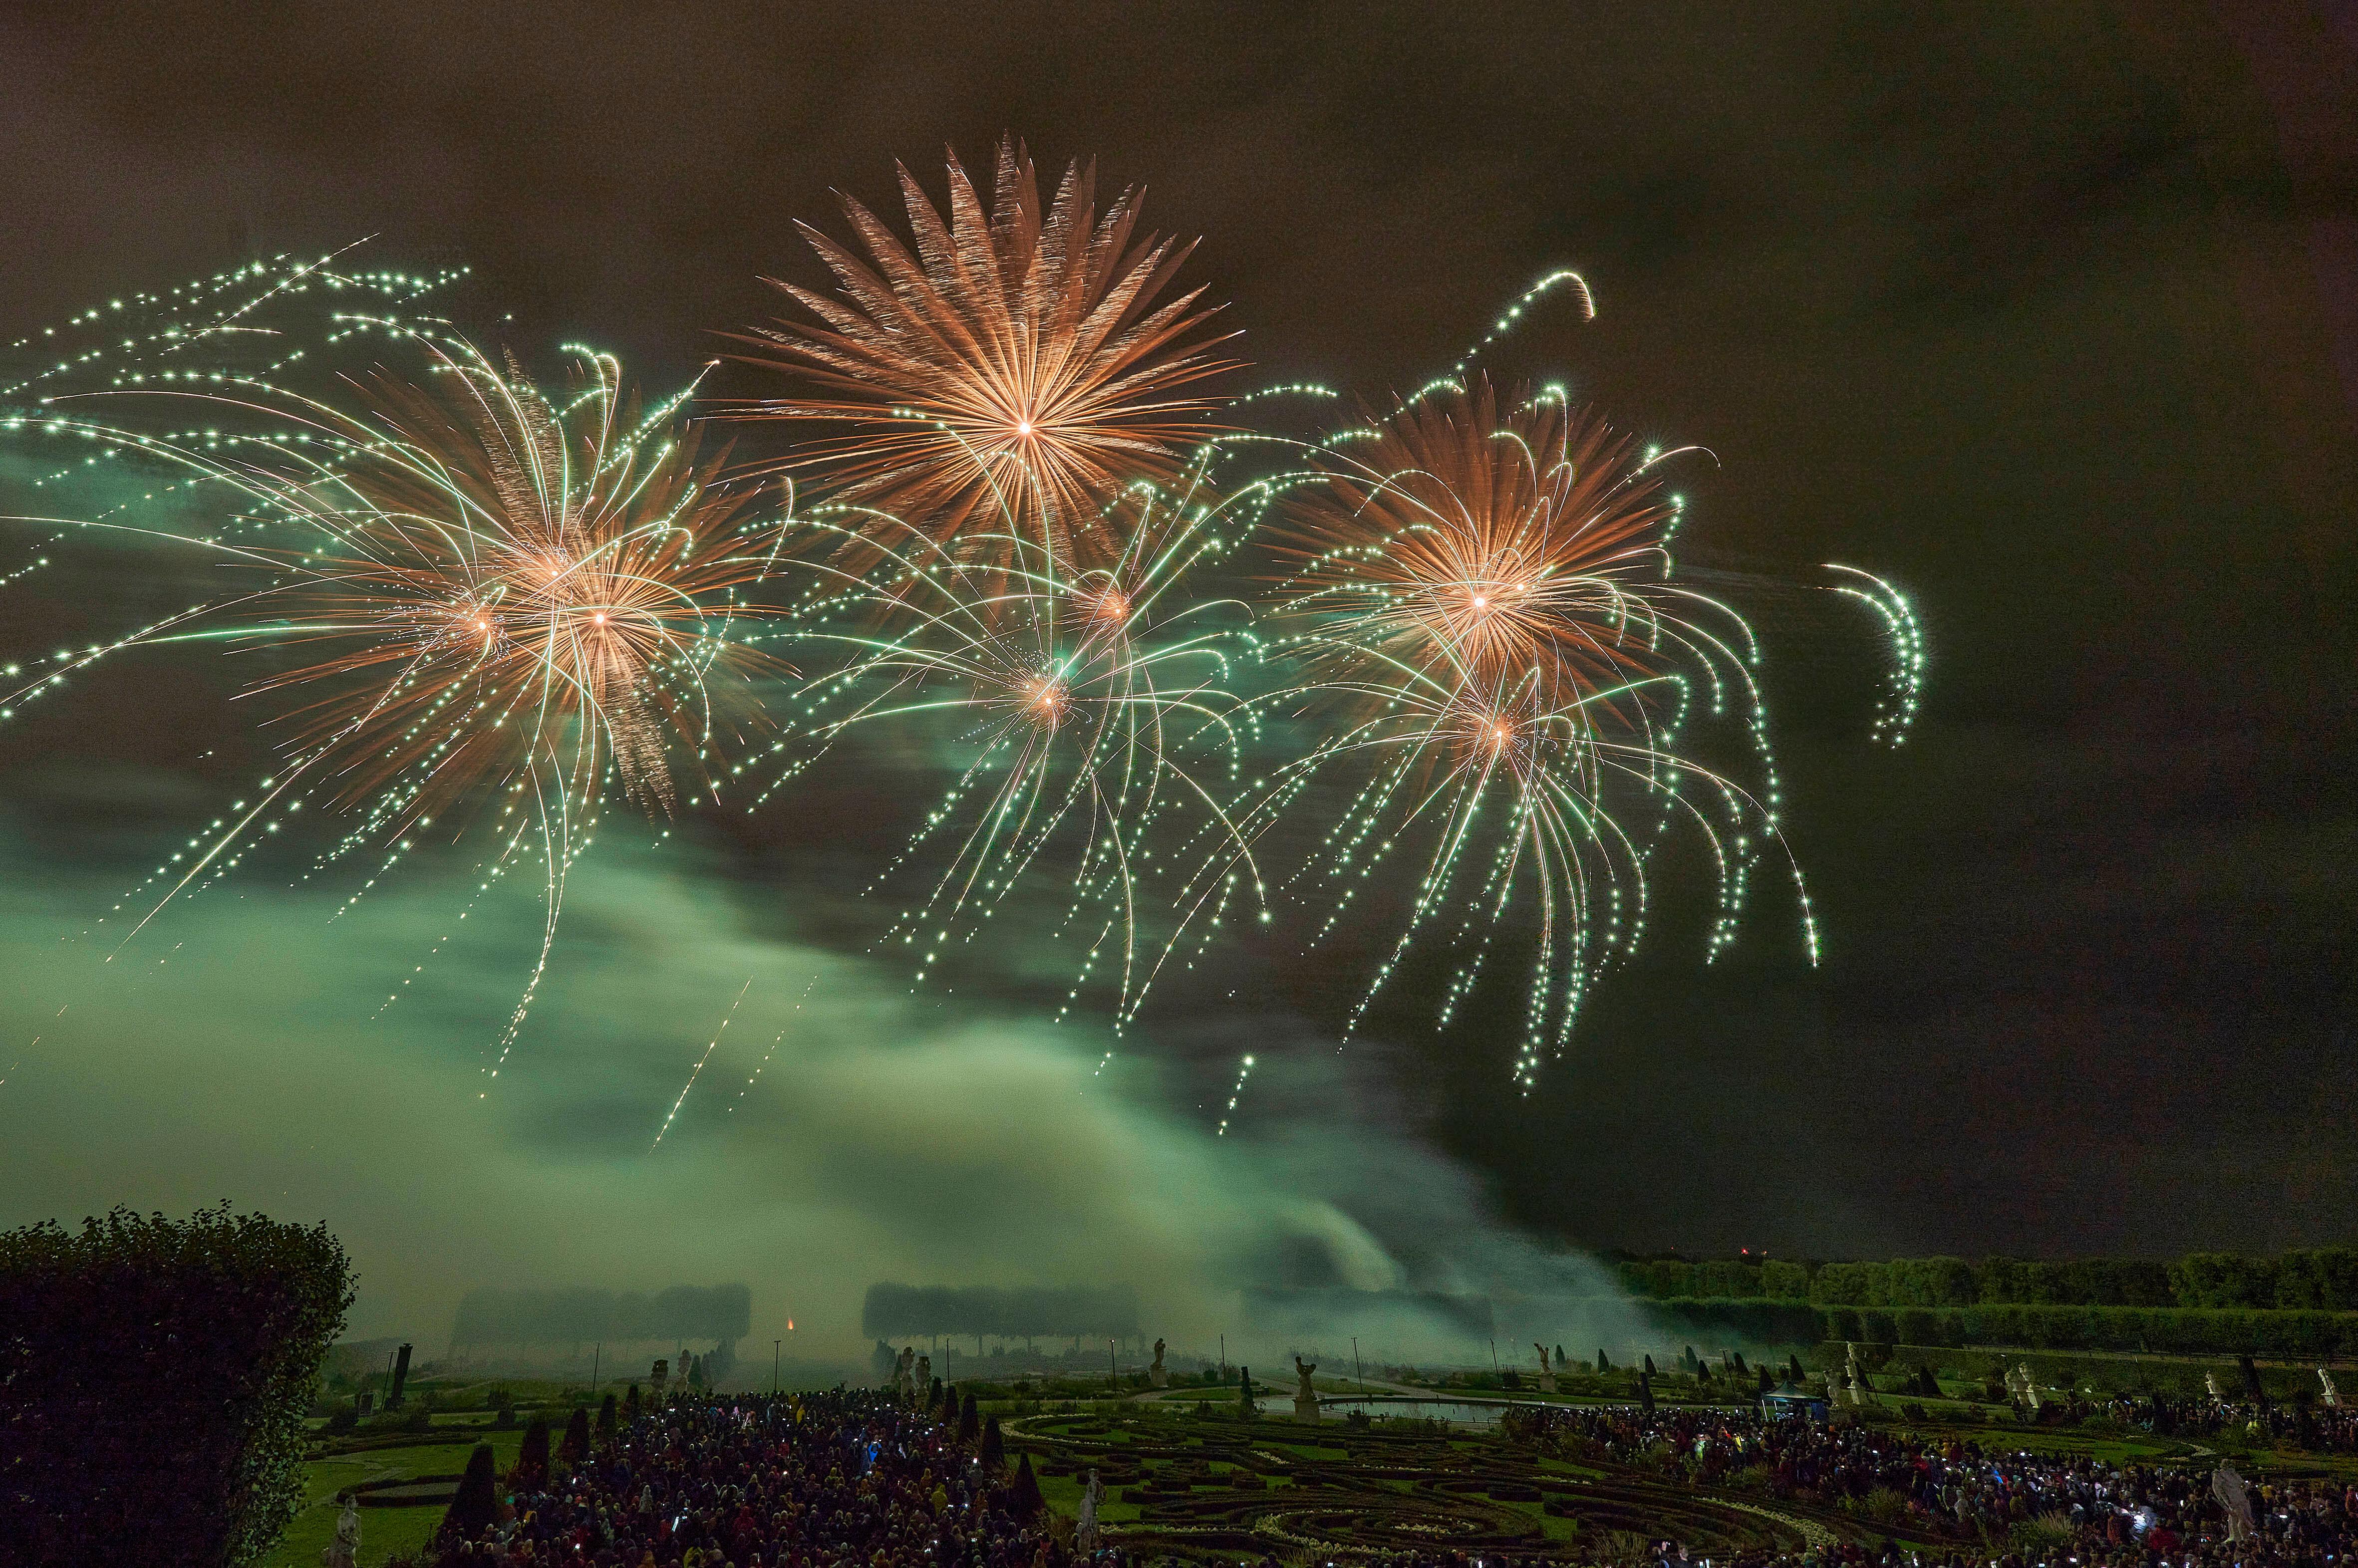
(1360, 1371)
(777, 1350)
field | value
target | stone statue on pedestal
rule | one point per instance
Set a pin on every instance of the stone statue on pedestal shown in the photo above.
(2228, 1488)
(1305, 1399)
(921, 1384)
(904, 1372)
(2333, 1397)
(1156, 1376)
(1085, 1534)
(344, 1551)
(1547, 1371)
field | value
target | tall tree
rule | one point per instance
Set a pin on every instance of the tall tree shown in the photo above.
(478, 1502)
(531, 1471)
(576, 1446)
(1023, 1495)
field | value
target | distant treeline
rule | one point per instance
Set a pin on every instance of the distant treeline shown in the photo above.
(1310, 1309)
(580, 1316)
(892, 1311)
(2177, 1331)
(2323, 1281)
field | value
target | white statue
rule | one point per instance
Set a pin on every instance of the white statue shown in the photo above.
(344, 1551)
(1085, 1535)
(905, 1371)
(1851, 1387)
(1305, 1398)
(2333, 1394)
(2211, 1383)
(1547, 1371)
(2228, 1488)
(921, 1386)
(1156, 1376)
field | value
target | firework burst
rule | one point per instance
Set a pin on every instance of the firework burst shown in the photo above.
(1481, 605)
(480, 595)
(1482, 550)
(1010, 376)
(1090, 709)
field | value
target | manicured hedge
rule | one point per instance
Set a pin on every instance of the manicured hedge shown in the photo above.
(2321, 1280)
(2166, 1330)
(154, 1377)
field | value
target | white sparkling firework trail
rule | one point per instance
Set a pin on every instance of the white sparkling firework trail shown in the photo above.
(1236, 1092)
(1904, 683)
(763, 1065)
(709, 1049)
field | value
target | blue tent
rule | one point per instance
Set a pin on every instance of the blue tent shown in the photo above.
(1786, 1399)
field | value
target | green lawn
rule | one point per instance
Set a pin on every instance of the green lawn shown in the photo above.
(383, 1531)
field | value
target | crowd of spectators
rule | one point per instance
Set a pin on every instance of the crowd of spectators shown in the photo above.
(1986, 1505)
(858, 1479)
(847, 1479)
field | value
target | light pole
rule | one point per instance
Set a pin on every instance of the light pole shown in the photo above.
(1356, 1368)
(777, 1350)
(596, 1351)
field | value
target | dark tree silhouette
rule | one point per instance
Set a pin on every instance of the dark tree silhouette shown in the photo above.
(576, 1446)
(531, 1472)
(1023, 1495)
(478, 1502)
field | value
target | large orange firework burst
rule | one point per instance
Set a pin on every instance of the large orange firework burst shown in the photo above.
(1482, 606)
(493, 598)
(519, 588)
(1011, 375)
(1491, 549)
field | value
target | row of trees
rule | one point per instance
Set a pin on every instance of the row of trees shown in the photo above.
(2161, 1330)
(580, 1316)
(893, 1312)
(2323, 1280)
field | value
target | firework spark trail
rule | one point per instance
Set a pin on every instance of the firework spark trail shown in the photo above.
(1905, 682)
(521, 604)
(1236, 1092)
(1010, 376)
(763, 1065)
(693, 1075)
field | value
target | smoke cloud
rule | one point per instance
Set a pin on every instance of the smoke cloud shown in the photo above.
(844, 1132)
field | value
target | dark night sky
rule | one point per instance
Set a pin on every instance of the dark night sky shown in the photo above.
(2047, 311)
